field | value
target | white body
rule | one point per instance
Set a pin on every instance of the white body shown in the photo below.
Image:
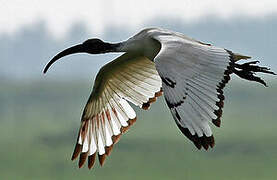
(191, 74)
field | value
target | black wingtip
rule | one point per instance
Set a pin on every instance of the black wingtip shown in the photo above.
(203, 141)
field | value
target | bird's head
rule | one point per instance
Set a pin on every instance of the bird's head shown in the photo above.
(90, 46)
(95, 46)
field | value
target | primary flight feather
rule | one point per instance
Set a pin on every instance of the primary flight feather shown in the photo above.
(190, 73)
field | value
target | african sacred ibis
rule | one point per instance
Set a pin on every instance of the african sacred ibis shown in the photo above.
(190, 73)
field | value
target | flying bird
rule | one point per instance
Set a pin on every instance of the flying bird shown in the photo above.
(191, 75)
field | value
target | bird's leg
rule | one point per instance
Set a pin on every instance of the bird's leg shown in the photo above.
(248, 71)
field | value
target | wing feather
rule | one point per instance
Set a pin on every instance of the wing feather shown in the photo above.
(107, 113)
(193, 75)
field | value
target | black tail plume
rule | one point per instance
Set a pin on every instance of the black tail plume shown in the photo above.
(248, 70)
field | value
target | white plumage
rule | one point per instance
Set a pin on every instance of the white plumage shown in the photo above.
(191, 74)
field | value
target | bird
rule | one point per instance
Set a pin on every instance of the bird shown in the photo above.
(189, 74)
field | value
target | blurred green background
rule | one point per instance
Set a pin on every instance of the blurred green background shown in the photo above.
(40, 115)
(39, 123)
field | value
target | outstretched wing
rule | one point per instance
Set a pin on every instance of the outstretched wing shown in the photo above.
(107, 113)
(193, 75)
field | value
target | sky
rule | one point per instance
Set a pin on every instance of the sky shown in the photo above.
(37, 29)
(98, 14)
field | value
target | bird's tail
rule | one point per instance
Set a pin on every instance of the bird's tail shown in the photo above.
(248, 70)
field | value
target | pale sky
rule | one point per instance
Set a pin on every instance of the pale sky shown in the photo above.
(59, 15)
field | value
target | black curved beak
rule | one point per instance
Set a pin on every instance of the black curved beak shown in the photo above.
(72, 50)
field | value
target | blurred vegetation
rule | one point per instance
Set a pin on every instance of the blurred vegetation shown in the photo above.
(25, 52)
(39, 122)
(39, 117)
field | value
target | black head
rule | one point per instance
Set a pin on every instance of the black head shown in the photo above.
(95, 46)
(91, 46)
